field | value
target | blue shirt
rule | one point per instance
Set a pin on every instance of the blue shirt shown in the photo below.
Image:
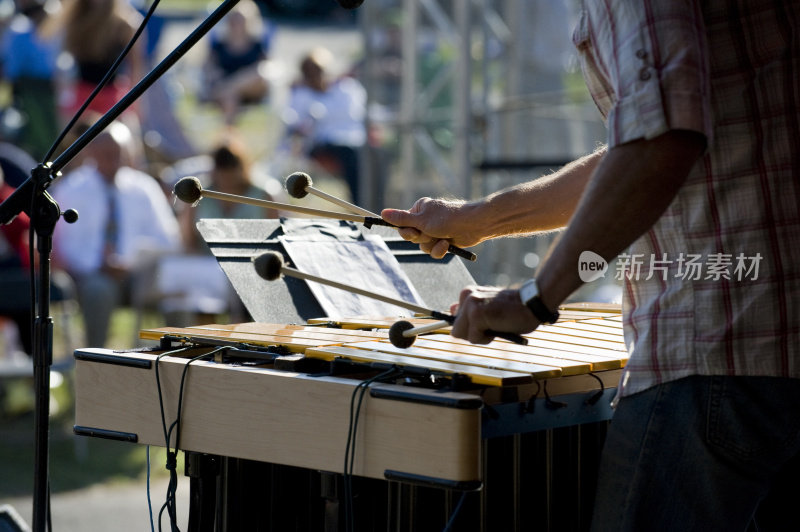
(26, 54)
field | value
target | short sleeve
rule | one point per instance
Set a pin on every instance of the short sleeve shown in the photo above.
(651, 56)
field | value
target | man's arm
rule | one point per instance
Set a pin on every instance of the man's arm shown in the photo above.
(630, 189)
(541, 205)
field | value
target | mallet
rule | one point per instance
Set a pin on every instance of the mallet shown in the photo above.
(403, 333)
(189, 189)
(270, 265)
(299, 185)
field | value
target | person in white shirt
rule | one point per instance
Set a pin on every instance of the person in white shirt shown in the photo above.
(124, 216)
(328, 115)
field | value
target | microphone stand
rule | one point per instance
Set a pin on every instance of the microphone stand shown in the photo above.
(32, 198)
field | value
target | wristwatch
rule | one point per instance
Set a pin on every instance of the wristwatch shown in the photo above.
(529, 294)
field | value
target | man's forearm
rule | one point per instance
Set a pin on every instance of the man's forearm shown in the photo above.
(541, 205)
(544, 204)
(631, 188)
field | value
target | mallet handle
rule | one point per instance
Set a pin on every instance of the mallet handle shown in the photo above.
(291, 272)
(340, 202)
(282, 206)
(368, 221)
(447, 319)
(428, 327)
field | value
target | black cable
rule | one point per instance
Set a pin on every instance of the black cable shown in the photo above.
(149, 501)
(350, 446)
(164, 421)
(171, 465)
(103, 82)
(597, 395)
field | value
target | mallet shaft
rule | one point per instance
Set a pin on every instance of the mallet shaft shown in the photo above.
(366, 220)
(340, 202)
(447, 319)
(288, 207)
(428, 327)
(291, 272)
(455, 250)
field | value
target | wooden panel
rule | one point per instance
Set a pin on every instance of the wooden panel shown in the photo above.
(279, 417)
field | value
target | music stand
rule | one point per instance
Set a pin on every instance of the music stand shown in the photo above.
(289, 300)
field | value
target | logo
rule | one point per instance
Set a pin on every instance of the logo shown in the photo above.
(591, 266)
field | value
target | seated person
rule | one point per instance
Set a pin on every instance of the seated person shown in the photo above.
(327, 117)
(29, 58)
(236, 66)
(15, 276)
(124, 218)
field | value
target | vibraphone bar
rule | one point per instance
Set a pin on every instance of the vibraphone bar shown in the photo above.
(264, 423)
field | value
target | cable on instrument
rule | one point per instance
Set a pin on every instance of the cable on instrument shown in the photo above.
(453, 515)
(529, 406)
(549, 402)
(350, 446)
(172, 460)
(149, 501)
(599, 393)
(270, 265)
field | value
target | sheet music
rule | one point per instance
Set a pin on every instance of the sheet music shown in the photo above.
(364, 263)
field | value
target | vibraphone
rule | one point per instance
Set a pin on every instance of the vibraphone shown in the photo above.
(265, 420)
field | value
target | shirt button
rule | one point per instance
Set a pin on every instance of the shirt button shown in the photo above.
(641, 53)
(644, 74)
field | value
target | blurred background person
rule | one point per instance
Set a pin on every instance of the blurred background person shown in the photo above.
(94, 33)
(325, 118)
(14, 273)
(230, 173)
(29, 58)
(16, 163)
(125, 218)
(235, 70)
(15, 277)
(212, 293)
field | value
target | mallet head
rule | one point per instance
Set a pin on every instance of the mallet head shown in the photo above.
(188, 189)
(268, 265)
(396, 334)
(297, 184)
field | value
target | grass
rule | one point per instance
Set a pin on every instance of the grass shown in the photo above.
(75, 461)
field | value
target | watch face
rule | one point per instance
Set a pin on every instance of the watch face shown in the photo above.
(528, 291)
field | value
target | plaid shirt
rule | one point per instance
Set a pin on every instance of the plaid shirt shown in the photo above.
(713, 288)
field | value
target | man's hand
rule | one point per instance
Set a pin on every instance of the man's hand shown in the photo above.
(434, 224)
(482, 308)
(544, 204)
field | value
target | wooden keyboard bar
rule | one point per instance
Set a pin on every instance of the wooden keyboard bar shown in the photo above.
(487, 375)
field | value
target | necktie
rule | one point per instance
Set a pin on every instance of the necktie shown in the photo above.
(112, 222)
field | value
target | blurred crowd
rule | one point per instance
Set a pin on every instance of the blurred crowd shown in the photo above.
(54, 55)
